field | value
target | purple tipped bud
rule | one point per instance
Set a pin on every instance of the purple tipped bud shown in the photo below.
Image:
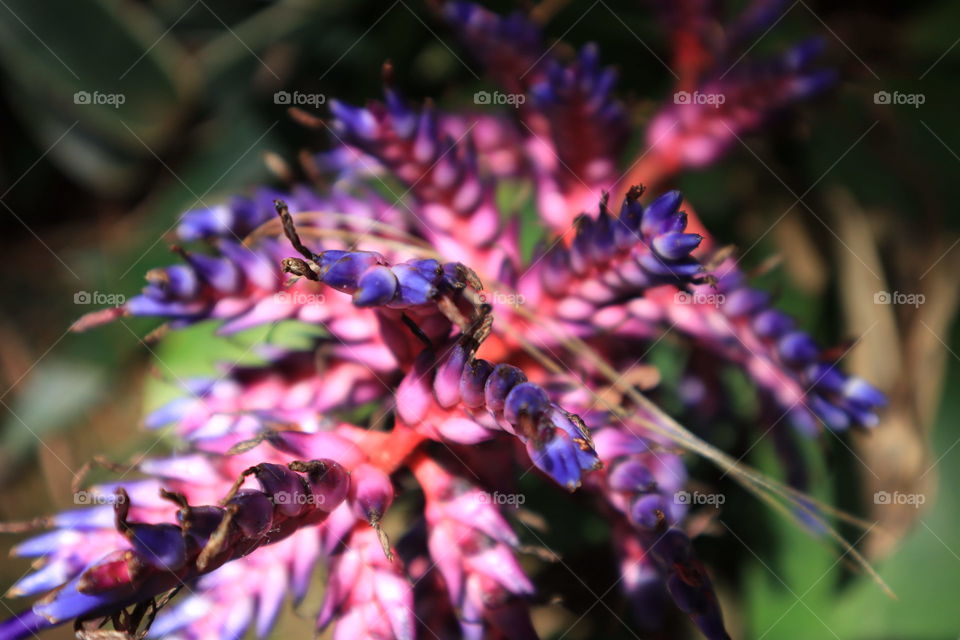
(161, 545)
(744, 302)
(502, 379)
(631, 215)
(680, 270)
(831, 415)
(798, 347)
(177, 281)
(286, 488)
(403, 119)
(414, 289)
(524, 406)
(376, 287)
(472, 382)
(254, 515)
(861, 392)
(371, 493)
(200, 522)
(825, 377)
(329, 482)
(631, 475)
(342, 270)
(581, 251)
(772, 324)
(557, 457)
(602, 237)
(676, 223)
(674, 246)
(648, 510)
(219, 273)
(659, 212)
(425, 145)
(574, 427)
(355, 121)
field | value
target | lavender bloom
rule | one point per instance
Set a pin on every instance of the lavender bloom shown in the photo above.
(611, 259)
(577, 131)
(150, 558)
(455, 203)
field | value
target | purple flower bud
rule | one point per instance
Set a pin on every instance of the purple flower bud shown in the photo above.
(772, 323)
(254, 515)
(329, 483)
(376, 287)
(473, 381)
(745, 302)
(674, 246)
(557, 457)
(524, 406)
(371, 493)
(502, 379)
(354, 121)
(219, 273)
(286, 489)
(798, 347)
(648, 511)
(175, 282)
(631, 475)
(342, 270)
(680, 270)
(161, 545)
(413, 288)
(861, 392)
(659, 212)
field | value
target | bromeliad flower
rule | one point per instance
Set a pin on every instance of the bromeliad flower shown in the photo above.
(445, 353)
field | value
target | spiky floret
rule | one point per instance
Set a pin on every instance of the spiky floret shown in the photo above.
(147, 559)
(473, 548)
(737, 322)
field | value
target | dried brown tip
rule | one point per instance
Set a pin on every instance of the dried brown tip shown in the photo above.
(634, 192)
(304, 118)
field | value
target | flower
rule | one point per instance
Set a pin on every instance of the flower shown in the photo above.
(280, 464)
